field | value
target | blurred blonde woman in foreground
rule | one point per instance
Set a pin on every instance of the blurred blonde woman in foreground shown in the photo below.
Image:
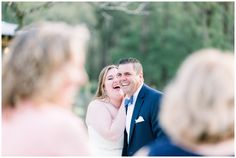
(41, 74)
(198, 107)
(106, 115)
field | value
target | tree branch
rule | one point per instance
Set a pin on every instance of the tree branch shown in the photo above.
(124, 7)
(45, 5)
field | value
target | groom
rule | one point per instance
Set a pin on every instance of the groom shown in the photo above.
(142, 105)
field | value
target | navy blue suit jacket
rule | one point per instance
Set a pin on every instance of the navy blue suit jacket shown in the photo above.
(147, 105)
(165, 147)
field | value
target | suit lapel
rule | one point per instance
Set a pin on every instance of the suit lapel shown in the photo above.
(138, 105)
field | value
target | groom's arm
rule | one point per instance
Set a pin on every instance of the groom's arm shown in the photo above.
(156, 128)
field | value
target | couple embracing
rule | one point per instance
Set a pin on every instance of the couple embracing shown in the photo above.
(123, 116)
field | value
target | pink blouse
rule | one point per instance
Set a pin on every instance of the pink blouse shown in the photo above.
(43, 131)
(106, 119)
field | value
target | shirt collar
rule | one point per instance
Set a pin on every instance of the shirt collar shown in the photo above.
(136, 93)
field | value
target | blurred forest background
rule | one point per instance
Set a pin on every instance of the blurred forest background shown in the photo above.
(159, 34)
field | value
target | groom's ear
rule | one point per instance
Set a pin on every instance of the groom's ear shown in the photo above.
(141, 75)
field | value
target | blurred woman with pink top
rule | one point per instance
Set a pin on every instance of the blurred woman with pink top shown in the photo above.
(41, 74)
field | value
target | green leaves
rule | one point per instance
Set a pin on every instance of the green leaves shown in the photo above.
(160, 39)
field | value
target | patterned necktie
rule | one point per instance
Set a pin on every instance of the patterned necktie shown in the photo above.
(128, 102)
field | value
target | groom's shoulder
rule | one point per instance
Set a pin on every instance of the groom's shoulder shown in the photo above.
(152, 91)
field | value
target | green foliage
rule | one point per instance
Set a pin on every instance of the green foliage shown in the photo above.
(161, 40)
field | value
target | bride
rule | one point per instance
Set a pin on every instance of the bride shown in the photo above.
(106, 116)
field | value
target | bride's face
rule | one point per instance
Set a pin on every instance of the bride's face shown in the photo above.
(112, 86)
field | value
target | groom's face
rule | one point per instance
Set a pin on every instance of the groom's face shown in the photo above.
(129, 79)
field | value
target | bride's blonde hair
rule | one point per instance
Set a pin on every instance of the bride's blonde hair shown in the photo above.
(101, 94)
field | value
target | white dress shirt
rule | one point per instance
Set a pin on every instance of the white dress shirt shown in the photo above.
(130, 110)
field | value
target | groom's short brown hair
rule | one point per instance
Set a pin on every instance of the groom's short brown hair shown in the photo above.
(136, 63)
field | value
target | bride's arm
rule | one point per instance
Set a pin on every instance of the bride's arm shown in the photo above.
(99, 117)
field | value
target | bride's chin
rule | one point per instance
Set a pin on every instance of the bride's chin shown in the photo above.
(121, 95)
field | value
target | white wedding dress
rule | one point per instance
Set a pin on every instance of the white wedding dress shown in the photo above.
(103, 147)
